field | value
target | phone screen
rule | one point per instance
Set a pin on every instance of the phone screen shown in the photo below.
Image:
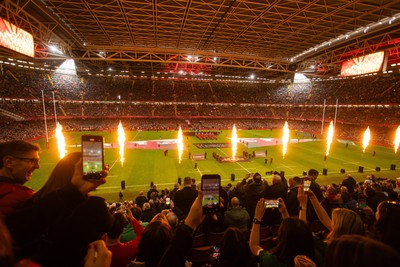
(93, 156)
(307, 185)
(167, 201)
(210, 184)
(271, 203)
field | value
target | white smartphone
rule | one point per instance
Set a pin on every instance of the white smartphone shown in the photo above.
(307, 185)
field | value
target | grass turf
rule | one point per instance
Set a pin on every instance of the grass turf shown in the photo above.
(142, 166)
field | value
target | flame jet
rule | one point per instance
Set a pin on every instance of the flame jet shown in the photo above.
(234, 142)
(60, 141)
(329, 138)
(397, 140)
(180, 144)
(121, 142)
(366, 139)
(285, 138)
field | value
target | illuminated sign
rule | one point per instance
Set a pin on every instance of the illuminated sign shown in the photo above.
(16, 39)
(361, 65)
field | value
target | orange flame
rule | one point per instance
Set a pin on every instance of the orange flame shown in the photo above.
(366, 139)
(180, 144)
(285, 138)
(234, 142)
(397, 140)
(60, 141)
(121, 142)
(329, 138)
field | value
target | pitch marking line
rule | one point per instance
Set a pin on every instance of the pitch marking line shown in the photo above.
(113, 164)
(242, 169)
(285, 166)
(135, 136)
(142, 185)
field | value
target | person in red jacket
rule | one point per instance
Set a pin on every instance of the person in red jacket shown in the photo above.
(123, 253)
(18, 160)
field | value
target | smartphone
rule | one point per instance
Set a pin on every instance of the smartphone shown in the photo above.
(271, 203)
(167, 201)
(93, 156)
(210, 184)
(307, 185)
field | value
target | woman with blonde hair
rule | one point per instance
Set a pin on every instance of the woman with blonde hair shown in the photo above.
(343, 222)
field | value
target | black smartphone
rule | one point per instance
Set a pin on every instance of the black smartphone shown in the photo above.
(93, 156)
(210, 184)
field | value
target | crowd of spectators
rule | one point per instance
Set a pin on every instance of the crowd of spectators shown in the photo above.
(28, 83)
(363, 101)
(347, 224)
(340, 209)
(34, 129)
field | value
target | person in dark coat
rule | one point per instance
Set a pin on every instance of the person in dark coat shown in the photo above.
(350, 183)
(253, 191)
(141, 199)
(315, 187)
(292, 203)
(184, 198)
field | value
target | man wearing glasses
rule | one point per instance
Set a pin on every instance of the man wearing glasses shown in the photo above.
(18, 160)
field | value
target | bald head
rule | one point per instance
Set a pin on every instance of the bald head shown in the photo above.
(276, 179)
(235, 202)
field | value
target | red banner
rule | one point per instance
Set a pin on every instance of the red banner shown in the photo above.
(16, 39)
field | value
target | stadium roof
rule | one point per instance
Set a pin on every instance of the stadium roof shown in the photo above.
(271, 39)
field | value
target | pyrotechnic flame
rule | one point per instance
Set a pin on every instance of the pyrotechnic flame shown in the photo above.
(367, 137)
(285, 138)
(329, 138)
(397, 140)
(60, 141)
(180, 144)
(121, 142)
(234, 142)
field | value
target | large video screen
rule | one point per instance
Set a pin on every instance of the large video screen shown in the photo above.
(16, 39)
(361, 65)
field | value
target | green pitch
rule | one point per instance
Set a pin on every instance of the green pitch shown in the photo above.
(143, 165)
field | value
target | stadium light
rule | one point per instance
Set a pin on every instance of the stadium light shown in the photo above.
(54, 49)
(67, 67)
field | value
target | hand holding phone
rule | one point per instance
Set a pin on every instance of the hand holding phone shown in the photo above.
(85, 185)
(210, 184)
(93, 156)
